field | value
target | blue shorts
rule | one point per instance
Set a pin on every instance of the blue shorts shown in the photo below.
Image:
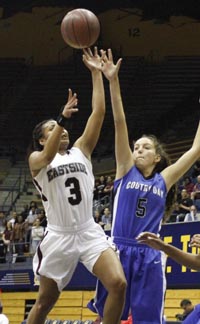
(144, 269)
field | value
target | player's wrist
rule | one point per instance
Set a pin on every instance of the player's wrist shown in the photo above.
(63, 121)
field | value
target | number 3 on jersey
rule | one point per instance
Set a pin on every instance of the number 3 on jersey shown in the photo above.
(141, 207)
(74, 189)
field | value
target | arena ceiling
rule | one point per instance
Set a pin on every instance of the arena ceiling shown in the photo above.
(161, 10)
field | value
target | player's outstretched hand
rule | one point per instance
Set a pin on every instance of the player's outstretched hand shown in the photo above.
(195, 241)
(70, 107)
(150, 239)
(92, 60)
(109, 69)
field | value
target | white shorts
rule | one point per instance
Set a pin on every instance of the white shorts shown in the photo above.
(59, 252)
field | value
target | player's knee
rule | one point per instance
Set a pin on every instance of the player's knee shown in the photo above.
(118, 285)
(44, 306)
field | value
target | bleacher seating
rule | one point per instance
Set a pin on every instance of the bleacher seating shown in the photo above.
(176, 149)
(5, 165)
(152, 92)
(16, 187)
(72, 305)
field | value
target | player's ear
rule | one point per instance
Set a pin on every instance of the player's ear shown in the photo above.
(42, 141)
(157, 158)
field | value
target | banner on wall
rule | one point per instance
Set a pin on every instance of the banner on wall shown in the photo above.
(177, 234)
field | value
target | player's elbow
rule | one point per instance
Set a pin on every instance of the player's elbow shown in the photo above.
(47, 158)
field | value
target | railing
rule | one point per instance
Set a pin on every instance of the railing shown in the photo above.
(14, 253)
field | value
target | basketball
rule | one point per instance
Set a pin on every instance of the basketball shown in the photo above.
(80, 28)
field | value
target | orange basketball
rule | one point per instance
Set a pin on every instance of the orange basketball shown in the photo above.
(80, 28)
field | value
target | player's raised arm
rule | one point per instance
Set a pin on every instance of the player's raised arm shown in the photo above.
(47, 136)
(110, 70)
(90, 136)
(175, 171)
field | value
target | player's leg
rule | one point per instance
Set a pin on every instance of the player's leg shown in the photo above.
(96, 304)
(47, 297)
(148, 273)
(108, 269)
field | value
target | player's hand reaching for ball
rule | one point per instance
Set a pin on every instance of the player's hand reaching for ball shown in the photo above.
(109, 69)
(92, 60)
(70, 107)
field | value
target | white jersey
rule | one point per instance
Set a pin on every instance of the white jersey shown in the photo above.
(66, 186)
(4, 319)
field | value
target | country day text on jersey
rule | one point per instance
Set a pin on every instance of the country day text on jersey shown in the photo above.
(145, 188)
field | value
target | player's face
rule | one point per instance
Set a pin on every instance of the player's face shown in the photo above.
(48, 129)
(144, 153)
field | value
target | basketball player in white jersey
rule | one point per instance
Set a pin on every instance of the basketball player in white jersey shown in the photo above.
(65, 181)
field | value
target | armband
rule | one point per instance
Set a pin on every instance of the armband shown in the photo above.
(63, 121)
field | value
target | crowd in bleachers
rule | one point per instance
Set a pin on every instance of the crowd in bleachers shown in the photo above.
(21, 232)
(187, 205)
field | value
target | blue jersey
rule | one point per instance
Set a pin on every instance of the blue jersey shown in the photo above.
(139, 204)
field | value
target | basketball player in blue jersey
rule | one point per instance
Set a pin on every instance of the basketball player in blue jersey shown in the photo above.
(65, 181)
(144, 180)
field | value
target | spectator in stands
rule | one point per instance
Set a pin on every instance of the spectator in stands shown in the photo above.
(142, 197)
(196, 169)
(97, 217)
(100, 187)
(2, 221)
(180, 187)
(12, 218)
(96, 184)
(18, 238)
(187, 307)
(37, 233)
(195, 194)
(7, 237)
(3, 318)
(96, 202)
(108, 190)
(193, 215)
(106, 219)
(30, 219)
(184, 205)
(109, 185)
(65, 181)
(175, 211)
(42, 217)
(188, 185)
(33, 207)
(25, 211)
(2, 249)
